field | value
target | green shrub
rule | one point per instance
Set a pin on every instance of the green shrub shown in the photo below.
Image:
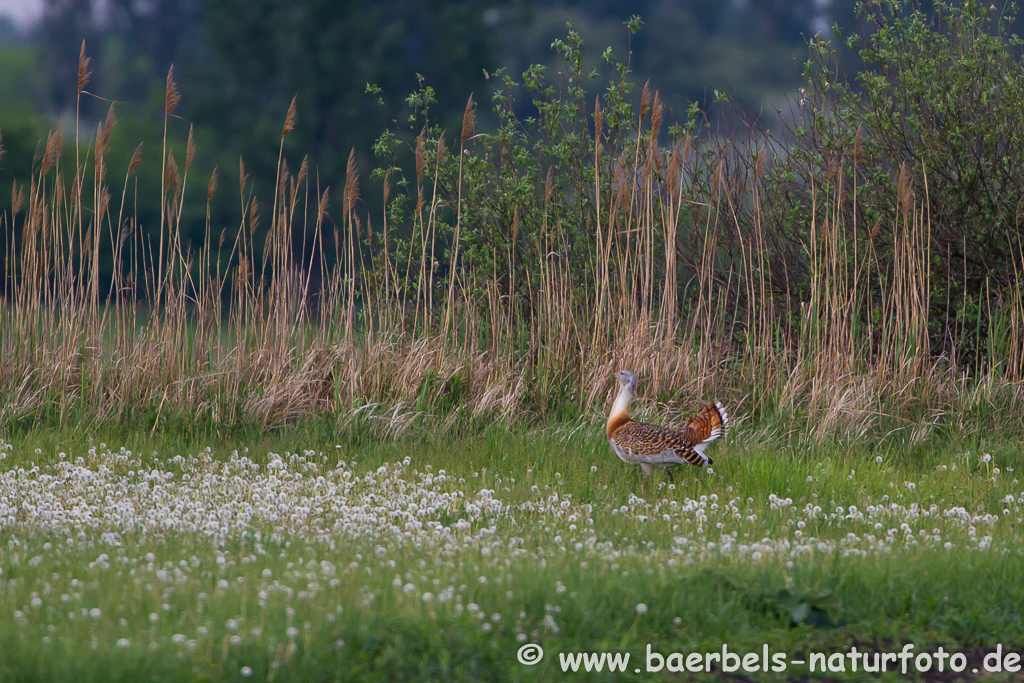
(934, 120)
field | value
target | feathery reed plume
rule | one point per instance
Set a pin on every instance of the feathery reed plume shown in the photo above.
(211, 186)
(440, 151)
(190, 148)
(136, 160)
(171, 175)
(351, 182)
(76, 189)
(108, 127)
(832, 168)
(468, 119)
(53, 145)
(875, 229)
(289, 119)
(17, 198)
(171, 97)
(718, 179)
(83, 69)
(421, 161)
(645, 100)
(100, 151)
(674, 167)
(254, 216)
(323, 205)
(656, 114)
(242, 177)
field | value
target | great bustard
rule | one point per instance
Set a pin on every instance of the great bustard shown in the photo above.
(650, 446)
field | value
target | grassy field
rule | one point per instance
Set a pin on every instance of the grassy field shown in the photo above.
(428, 560)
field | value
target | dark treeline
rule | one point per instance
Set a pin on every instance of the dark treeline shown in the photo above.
(239, 63)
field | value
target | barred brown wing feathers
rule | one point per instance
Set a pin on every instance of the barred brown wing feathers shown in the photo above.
(647, 439)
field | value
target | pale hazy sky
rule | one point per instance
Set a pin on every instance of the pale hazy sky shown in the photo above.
(22, 11)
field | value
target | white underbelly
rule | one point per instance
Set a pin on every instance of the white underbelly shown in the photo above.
(667, 458)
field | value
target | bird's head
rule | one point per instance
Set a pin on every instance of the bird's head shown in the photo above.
(627, 380)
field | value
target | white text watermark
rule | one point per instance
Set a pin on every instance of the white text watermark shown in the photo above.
(908, 660)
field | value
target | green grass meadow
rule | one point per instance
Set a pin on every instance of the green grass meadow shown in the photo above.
(425, 559)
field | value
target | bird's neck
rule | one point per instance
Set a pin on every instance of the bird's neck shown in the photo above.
(620, 410)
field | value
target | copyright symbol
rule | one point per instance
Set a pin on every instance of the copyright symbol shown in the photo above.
(530, 654)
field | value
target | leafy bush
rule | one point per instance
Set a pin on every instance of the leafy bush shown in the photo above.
(525, 190)
(935, 119)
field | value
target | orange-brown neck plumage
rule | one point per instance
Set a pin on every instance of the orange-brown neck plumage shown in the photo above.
(620, 409)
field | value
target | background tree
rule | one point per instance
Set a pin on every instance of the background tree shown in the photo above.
(143, 39)
(65, 25)
(325, 52)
